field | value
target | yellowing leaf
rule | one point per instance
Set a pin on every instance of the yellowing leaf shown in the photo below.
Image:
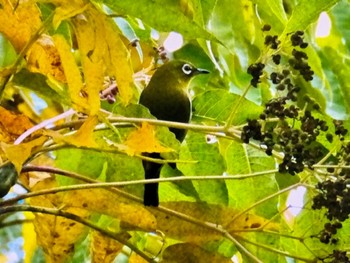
(104, 249)
(135, 258)
(191, 253)
(29, 238)
(88, 28)
(57, 235)
(44, 58)
(18, 154)
(12, 125)
(143, 140)
(119, 64)
(108, 203)
(218, 215)
(19, 20)
(84, 136)
(72, 74)
(67, 9)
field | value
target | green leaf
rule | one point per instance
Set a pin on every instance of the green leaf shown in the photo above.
(272, 13)
(218, 104)
(244, 159)
(207, 161)
(40, 84)
(163, 16)
(8, 53)
(307, 12)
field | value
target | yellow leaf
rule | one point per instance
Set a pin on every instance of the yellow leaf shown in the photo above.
(18, 154)
(29, 237)
(84, 136)
(66, 10)
(88, 28)
(143, 140)
(57, 235)
(72, 74)
(12, 125)
(191, 253)
(218, 215)
(43, 57)
(118, 59)
(104, 249)
(19, 20)
(131, 214)
(135, 258)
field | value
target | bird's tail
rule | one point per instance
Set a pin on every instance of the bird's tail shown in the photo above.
(152, 171)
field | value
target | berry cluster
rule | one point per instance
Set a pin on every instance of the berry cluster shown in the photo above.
(338, 257)
(294, 133)
(340, 130)
(297, 39)
(272, 41)
(335, 197)
(296, 144)
(251, 130)
(256, 70)
(329, 230)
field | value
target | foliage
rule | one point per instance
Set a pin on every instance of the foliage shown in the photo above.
(270, 123)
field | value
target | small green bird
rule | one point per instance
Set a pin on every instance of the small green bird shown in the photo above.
(166, 97)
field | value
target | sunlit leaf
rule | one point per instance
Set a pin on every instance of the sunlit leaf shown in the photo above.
(206, 160)
(143, 140)
(153, 13)
(12, 125)
(20, 24)
(18, 154)
(44, 58)
(307, 12)
(72, 73)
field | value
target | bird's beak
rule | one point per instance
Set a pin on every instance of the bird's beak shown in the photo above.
(200, 71)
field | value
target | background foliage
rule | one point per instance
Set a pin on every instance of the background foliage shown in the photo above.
(70, 75)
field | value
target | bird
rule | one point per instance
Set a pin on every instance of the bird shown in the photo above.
(166, 97)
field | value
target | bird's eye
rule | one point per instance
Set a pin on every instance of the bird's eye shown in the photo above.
(187, 69)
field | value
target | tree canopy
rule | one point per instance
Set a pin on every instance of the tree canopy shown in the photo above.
(262, 175)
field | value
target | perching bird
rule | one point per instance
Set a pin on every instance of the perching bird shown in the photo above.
(167, 98)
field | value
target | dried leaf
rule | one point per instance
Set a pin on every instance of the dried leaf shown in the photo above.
(43, 57)
(12, 125)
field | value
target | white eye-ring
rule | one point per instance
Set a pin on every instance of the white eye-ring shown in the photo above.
(187, 69)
